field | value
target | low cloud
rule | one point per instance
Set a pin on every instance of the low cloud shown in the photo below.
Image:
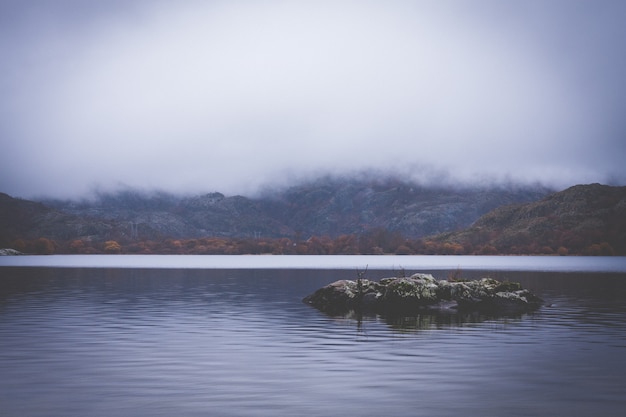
(232, 96)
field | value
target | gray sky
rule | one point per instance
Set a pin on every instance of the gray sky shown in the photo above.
(198, 96)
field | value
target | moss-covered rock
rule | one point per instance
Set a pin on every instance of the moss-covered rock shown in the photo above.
(422, 291)
(419, 290)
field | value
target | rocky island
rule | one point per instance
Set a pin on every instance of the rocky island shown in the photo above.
(422, 292)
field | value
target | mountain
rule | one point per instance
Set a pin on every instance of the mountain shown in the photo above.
(583, 219)
(335, 207)
(326, 207)
(350, 216)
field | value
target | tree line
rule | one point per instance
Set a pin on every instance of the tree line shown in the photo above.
(378, 242)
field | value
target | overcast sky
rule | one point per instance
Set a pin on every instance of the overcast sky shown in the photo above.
(200, 96)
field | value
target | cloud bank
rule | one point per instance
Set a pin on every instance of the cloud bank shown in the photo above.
(199, 96)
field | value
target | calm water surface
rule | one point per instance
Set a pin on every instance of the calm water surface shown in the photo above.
(225, 342)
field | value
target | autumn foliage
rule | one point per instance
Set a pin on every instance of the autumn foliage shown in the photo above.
(377, 242)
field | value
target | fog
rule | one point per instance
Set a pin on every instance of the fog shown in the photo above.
(233, 96)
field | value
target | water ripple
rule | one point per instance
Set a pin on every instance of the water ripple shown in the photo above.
(149, 343)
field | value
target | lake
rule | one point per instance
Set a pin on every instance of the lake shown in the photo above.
(229, 336)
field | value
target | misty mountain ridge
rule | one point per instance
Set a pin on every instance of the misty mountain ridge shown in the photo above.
(327, 206)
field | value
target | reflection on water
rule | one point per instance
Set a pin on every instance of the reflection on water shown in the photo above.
(423, 320)
(132, 342)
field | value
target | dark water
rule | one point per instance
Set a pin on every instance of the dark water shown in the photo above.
(137, 342)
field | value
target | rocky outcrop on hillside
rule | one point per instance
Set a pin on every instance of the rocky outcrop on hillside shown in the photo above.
(217, 215)
(420, 293)
(332, 207)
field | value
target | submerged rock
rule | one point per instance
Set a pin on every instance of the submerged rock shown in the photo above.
(421, 292)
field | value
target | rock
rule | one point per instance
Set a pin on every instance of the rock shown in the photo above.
(415, 292)
(345, 295)
(421, 292)
(10, 252)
